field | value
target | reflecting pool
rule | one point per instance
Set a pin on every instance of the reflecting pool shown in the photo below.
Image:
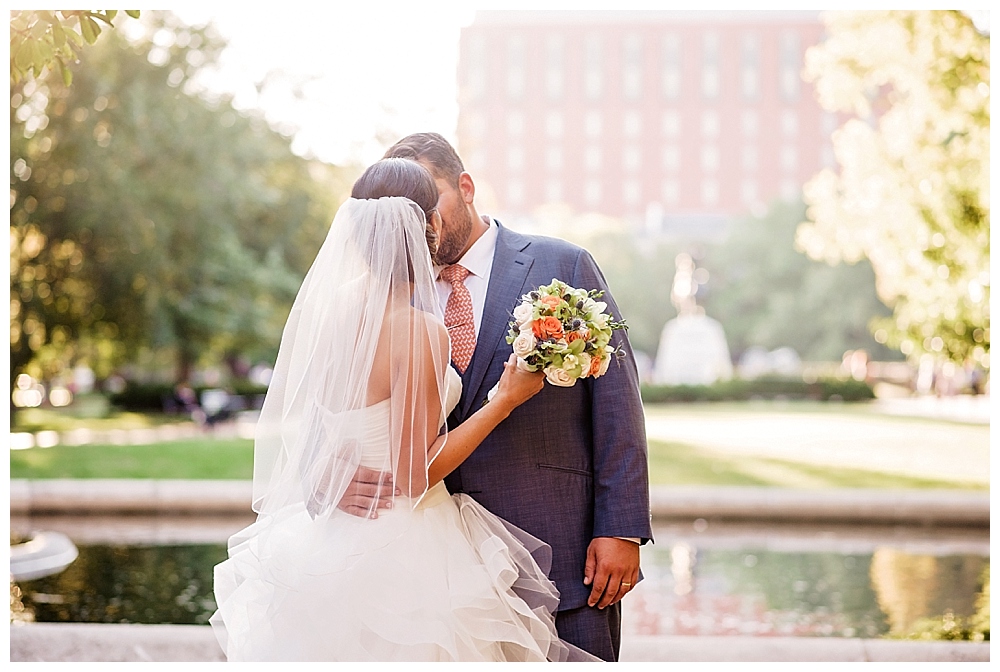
(699, 579)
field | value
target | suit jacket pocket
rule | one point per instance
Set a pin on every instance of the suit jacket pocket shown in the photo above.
(568, 470)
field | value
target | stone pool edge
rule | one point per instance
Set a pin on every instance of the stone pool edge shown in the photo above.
(79, 642)
(851, 505)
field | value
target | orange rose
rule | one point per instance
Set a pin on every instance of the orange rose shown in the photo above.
(551, 301)
(577, 335)
(547, 327)
(595, 365)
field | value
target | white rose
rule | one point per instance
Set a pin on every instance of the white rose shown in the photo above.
(524, 344)
(523, 314)
(605, 363)
(596, 307)
(558, 377)
(584, 363)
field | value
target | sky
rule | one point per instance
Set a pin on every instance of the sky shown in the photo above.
(362, 71)
(365, 73)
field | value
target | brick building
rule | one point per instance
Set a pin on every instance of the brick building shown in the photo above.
(673, 121)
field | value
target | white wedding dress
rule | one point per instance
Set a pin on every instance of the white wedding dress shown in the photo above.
(444, 580)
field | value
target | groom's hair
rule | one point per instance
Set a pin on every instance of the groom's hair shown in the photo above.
(433, 149)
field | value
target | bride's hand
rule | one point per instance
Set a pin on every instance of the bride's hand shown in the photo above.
(517, 386)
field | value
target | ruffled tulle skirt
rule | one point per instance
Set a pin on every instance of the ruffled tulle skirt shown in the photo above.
(444, 581)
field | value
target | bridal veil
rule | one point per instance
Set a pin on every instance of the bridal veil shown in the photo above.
(365, 328)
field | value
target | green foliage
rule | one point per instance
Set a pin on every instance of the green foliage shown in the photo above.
(952, 627)
(767, 293)
(912, 193)
(43, 40)
(761, 388)
(147, 216)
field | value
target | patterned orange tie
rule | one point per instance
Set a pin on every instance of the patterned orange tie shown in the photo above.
(458, 317)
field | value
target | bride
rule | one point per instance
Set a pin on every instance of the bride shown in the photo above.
(363, 380)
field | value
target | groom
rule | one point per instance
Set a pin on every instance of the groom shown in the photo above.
(569, 466)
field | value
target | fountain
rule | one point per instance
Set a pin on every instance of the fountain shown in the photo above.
(693, 348)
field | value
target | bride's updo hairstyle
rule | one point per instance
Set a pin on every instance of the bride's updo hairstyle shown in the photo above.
(406, 178)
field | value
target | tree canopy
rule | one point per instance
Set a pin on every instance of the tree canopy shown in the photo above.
(46, 39)
(144, 217)
(912, 191)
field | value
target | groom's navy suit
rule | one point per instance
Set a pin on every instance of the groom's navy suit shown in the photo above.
(569, 464)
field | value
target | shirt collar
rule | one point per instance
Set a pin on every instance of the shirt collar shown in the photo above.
(478, 259)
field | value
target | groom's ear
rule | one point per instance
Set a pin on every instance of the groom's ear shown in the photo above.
(467, 187)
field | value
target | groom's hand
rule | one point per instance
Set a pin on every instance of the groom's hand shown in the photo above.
(612, 569)
(367, 486)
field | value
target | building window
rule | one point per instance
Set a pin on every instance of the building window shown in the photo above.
(827, 158)
(709, 159)
(709, 192)
(554, 159)
(749, 159)
(475, 73)
(790, 63)
(592, 158)
(789, 190)
(515, 158)
(553, 191)
(631, 192)
(749, 123)
(671, 192)
(672, 158)
(515, 193)
(592, 124)
(592, 193)
(748, 192)
(671, 123)
(671, 67)
(789, 159)
(515, 124)
(632, 124)
(593, 62)
(828, 124)
(554, 49)
(477, 161)
(750, 67)
(789, 123)
(632, 70)
(632, 159)
(710, 124)
(710, 66)
(475, 125)
(554, 125)
(516, 74)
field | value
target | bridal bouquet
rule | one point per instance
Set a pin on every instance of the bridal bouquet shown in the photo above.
(564, 332)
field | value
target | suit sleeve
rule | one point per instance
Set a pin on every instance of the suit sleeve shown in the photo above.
(621, 466)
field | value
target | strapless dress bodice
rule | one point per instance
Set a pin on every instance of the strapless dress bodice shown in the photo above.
(375, 439)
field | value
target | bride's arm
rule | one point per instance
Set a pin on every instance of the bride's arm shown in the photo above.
(516, 387)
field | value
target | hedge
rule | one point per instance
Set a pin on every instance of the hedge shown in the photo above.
(736, 389)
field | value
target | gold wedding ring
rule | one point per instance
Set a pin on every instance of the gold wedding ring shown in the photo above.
(627, 585)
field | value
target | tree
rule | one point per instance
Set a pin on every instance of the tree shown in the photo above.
(46, 39)
(145, 216)
(912, 193)
(767, 293)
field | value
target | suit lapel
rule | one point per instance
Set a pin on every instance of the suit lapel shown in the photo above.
(507, 276)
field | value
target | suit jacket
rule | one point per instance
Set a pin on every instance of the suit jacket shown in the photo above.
(569, 464)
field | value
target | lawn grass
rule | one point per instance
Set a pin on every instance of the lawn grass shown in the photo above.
(198, 459)
(680, 464)
(209, 458)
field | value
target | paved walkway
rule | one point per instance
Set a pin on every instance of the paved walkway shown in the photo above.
(194, 643)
